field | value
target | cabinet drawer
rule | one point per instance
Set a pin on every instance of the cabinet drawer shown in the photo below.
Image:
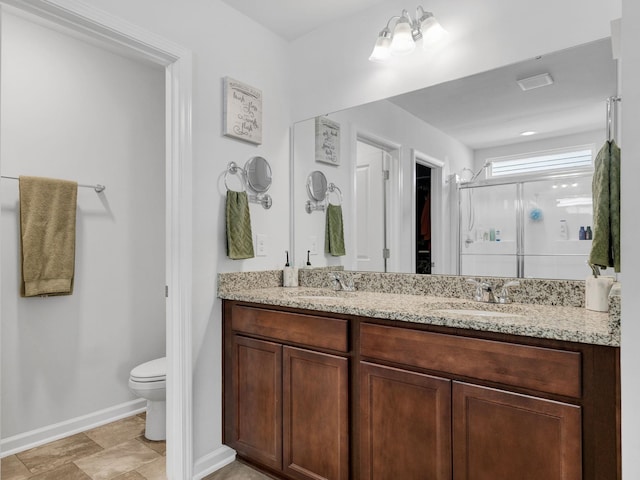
(310, 330)
(541, 369)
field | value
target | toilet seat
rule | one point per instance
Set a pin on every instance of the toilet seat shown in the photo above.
(152, 371)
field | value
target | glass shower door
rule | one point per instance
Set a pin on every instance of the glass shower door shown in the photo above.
(488, 230)
(554, 213)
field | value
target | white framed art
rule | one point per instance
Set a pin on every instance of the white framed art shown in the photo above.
(327, 141)
(242, 111)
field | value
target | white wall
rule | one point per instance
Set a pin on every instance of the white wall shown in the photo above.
(630, 144)
(75, 111)
(388, 123)
(224, 43)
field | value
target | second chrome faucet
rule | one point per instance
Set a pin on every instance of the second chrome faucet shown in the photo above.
(342, 281)
(485, 292)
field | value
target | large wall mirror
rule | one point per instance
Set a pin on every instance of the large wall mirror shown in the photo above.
(420, 172)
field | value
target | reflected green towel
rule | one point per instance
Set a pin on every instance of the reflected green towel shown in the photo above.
(334, 232)
(239, 237)
(605, 249)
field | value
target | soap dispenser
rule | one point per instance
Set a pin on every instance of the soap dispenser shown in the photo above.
(289, 274)
(308, 265)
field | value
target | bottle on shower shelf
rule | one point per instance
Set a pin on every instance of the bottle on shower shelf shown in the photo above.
(564, 230)
(582, 234)
(588, 234)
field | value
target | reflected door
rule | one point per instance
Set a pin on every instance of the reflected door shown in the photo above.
(371, 208)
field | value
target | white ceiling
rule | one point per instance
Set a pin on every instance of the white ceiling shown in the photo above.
(490, 109)
(293, 18)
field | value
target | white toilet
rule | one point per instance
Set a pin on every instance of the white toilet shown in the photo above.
(149, 381)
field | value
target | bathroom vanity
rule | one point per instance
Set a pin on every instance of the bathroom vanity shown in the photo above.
(363, 385)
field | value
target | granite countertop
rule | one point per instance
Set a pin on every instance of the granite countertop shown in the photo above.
(569, 323)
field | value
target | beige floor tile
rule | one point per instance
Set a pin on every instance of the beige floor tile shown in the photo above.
(117, 432)
(237, 471)
(13, 469)
(156, 470)
(160, 447)
(66, 472)
(52, 455)
(117, 460)
(130, 476)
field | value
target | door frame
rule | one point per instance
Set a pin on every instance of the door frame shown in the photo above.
(437, 233)
(177, 62)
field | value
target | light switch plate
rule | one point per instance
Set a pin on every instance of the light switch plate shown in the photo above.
(261, 245)
(313, 244)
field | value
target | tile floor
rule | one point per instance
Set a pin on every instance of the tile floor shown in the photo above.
(237, 471)
(116, 451)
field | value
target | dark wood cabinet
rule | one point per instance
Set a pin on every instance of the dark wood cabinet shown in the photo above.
(405, 424)
(316, 415)
(499, 435)
(255, 430)
(313, 396)
(287, 407)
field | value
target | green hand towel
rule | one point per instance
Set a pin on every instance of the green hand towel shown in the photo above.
(239, 237)
(334, 232)
(605, 249)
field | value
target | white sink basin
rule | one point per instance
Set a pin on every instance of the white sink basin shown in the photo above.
(477, 313)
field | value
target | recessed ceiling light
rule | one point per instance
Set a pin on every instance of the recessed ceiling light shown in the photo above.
(528, 133)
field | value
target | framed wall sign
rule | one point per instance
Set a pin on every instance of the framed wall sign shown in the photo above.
(327, 141)
(242, 111)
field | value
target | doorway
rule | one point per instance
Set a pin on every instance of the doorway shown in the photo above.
(177, 65)
(423, 219)
(428, 248)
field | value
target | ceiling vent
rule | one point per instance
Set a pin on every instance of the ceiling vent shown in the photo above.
(536, 81)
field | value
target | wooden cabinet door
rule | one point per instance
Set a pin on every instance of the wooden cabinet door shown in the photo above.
(405, 425)
(316, 415)
(257, 392)
(503, 436)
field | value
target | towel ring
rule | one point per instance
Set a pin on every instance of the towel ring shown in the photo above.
(234, 169)
(262, 198)
(333, 188)
(315, 206)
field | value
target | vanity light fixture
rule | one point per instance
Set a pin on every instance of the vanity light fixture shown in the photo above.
(406, 34)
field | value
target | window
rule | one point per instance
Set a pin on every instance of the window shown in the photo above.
(575, 158)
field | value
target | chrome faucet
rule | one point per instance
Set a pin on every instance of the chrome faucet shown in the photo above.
(342, 282)
(485, 293)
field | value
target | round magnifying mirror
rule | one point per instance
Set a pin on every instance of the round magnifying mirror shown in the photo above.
(258, 174)
(317, 186)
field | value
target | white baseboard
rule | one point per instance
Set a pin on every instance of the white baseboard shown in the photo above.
(25, 441)
(213, 461)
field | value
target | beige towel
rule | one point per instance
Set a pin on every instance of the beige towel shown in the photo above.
(48, 235)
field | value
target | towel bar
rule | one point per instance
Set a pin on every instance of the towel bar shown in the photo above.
(98, 188)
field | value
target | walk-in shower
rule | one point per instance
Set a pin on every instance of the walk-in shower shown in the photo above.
(525, 227)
